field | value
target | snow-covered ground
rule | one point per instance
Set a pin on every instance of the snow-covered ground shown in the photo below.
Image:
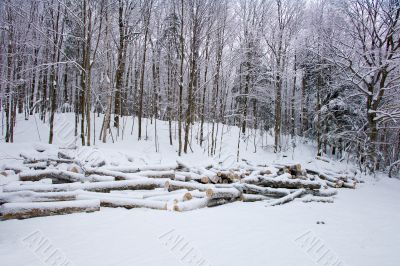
(360, 228)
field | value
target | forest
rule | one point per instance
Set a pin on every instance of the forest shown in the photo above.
(325, 71)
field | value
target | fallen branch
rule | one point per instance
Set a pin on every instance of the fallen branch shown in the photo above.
(287, 198)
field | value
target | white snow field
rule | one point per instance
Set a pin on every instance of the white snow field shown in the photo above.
(361, 227)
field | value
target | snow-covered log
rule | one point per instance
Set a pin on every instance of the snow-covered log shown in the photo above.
(32, 159)
(193, 176)
(266, 191)
(179, 177)
(143, 194)
(287, 198)
(157, 174)
(30, 196)
(110, 200)
(173, 197)
(283, 182)
(331, 180)
(213, 177)
(117, 175)
(252, 197)
(174, 185)
(64, 155)
(198, 203)
(145, 183)
(337, 184)
(217, 193)
(193, 204)
(35, 209)
(135, 169)
(350, 184)
(198, 194)
(98, 178)
(37, 166)
(50, 173)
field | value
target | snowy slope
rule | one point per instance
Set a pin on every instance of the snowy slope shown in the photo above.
(361, 228)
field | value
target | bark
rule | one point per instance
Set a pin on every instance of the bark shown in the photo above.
(141, 89)
(121, 64)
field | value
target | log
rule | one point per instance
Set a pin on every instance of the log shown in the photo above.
(179, 177)
(213, 177)
(30, 196)
(75, 168)
(253, 178)
(28, 159)
(98, 178)
(173, 197)
(198, 194)
(289, 183)
(253, 197)
(287, 198)
(135, 169)
(228, 176)
(143, 194)
(110, 200)
(337, 184)
(64, 155)
(191, 204)
(198, 203)
(220, 201)
(145, 183)
(218, 193)
(293, 169)
(117, 175)
(50, 173)
(331, 181)
(37, 209)
(158, 174)
(193, 176)
(351, 185)
(37, 166)
(175, 185)
(265, 191)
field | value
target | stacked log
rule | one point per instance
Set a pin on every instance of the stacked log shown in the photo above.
(179, 187)
(37, 209)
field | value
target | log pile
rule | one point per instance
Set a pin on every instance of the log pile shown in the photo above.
(71, 187)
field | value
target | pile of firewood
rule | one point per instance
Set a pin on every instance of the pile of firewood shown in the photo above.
(61, 185)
